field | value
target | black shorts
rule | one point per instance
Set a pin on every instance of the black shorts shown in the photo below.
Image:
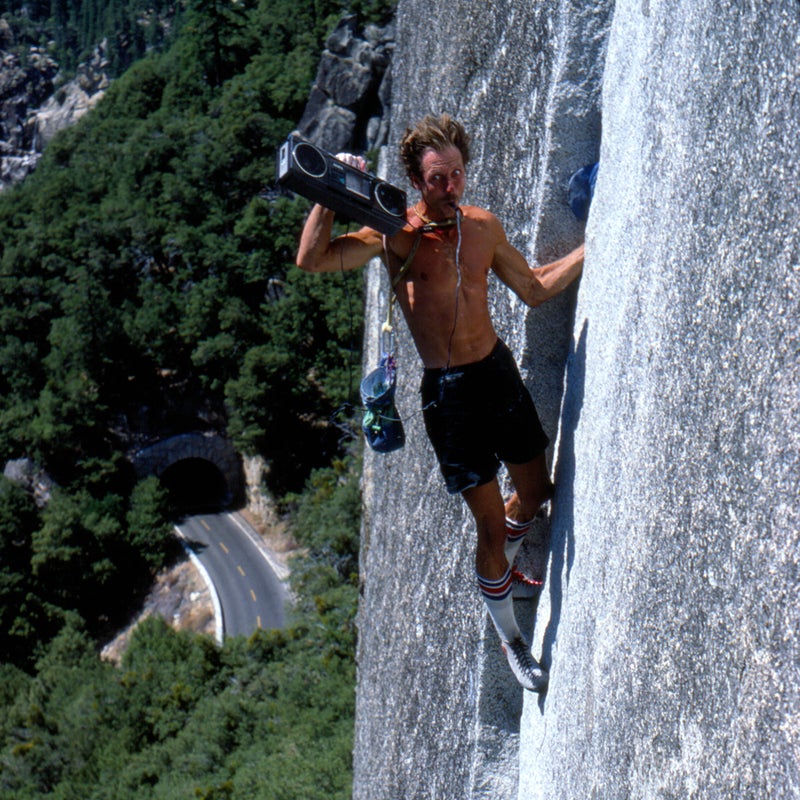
(478, 415)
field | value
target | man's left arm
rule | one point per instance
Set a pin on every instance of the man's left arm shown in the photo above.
(535, 285)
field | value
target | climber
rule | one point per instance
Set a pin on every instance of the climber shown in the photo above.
(476, 408)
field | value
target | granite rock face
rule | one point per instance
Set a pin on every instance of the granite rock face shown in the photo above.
(74, 98)
(22, 86)
(668, 382)
(348, 106)
(672, 609)
(33, 107)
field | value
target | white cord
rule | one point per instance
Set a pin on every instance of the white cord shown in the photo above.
(458, 288)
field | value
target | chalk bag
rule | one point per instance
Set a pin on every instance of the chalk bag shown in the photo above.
(382, 426)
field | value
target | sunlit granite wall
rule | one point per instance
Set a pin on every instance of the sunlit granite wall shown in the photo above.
(668, 381)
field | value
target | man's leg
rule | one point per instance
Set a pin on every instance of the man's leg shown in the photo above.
(486, 504)
(494, 574)
(494, 578)
(533, 488)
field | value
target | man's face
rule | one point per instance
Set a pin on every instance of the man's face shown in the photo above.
(443, 180)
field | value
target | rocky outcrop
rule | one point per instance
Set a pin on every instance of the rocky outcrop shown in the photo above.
(33, 107)
(35, 481)
(438, 712)
(23, 86)
(349, 101)
(668, 381)
(72, 100)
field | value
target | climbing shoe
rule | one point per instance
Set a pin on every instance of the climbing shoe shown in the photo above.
(524, 666)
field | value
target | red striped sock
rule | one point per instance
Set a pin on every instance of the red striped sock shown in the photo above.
(515, 533)
(500, 604)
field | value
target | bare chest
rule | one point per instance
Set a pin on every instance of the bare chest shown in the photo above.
(439, 260)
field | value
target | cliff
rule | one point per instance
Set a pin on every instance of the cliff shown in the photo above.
(34, 107)
(668, 381)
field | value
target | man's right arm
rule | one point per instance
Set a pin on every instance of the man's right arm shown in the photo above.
(319, 253)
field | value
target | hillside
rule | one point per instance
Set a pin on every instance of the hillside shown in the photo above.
(146, 290)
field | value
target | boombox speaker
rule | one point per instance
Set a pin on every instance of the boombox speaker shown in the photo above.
(357, 195)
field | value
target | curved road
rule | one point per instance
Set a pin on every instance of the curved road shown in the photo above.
(251, 594)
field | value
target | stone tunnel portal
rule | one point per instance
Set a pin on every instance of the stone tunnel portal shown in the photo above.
(200, 470)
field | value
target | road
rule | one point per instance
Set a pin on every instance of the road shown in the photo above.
(251, 595)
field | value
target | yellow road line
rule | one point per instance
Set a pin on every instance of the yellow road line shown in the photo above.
(241, 571)
(224, 549)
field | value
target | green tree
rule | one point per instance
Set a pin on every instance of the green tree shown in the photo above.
(264, 717)
(148, 522)
(71, 552)
(147, 284)
(53, 727)
(217, 38)
(18, 520)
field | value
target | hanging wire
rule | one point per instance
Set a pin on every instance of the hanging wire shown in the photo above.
(350, 404)
(458, 289)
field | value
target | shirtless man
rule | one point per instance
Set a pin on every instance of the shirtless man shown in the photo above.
(477, 411)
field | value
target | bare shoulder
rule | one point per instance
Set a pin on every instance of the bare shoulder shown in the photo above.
(486, 219)
(479, 214)
(398, 245)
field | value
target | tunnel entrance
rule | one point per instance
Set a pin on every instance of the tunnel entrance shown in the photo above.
(194, 485)
(201, 470)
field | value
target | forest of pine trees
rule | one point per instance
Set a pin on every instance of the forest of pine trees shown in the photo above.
(147, 287)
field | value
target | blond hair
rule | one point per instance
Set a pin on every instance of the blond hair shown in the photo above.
(437, 133)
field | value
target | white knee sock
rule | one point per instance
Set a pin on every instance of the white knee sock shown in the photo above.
(500, 604)
(515, 533)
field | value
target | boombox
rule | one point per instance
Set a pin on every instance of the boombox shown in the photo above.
(357, 195)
